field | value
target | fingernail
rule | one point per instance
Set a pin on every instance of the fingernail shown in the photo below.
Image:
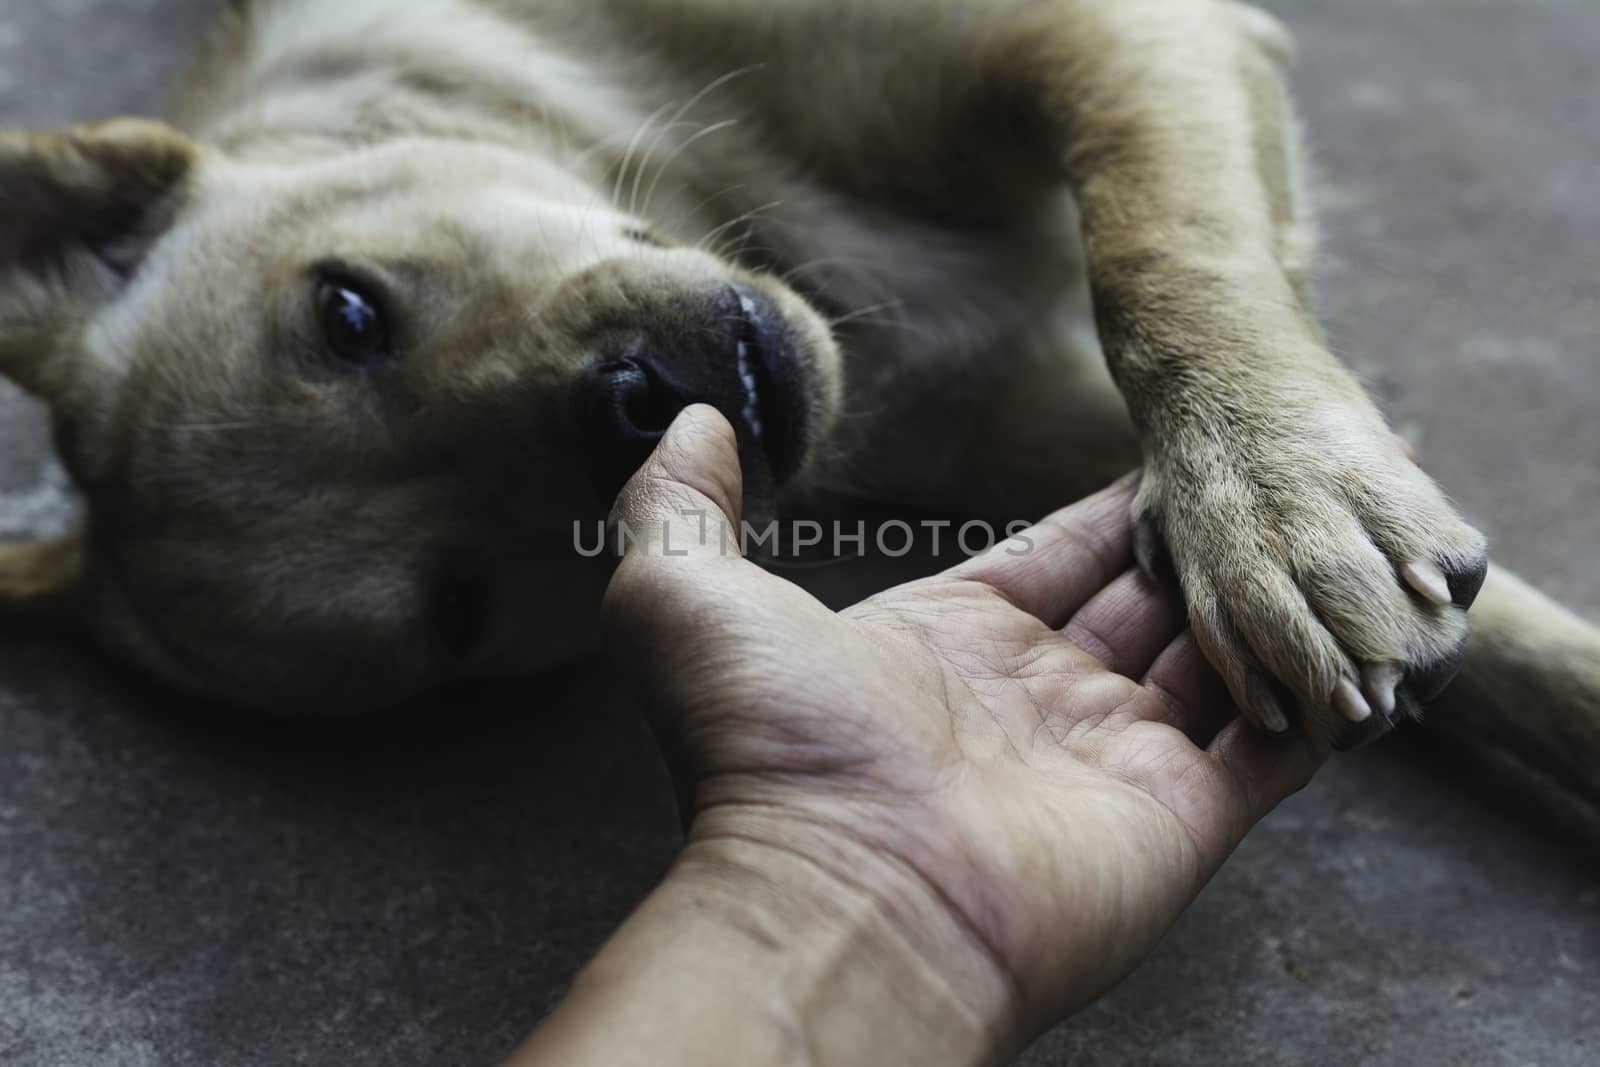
(1351, 704)
(1428, 580)
(1380, 681)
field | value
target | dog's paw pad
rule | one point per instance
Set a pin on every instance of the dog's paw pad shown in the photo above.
(1360, 735)
(1425, 682)
(1466, 581)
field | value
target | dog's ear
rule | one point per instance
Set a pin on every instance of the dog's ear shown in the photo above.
(79, 208)
(42, 582)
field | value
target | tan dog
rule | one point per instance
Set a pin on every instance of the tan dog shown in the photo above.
(339, 357)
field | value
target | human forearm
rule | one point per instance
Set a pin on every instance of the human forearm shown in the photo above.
(754, 954)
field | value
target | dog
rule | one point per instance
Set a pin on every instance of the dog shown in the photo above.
(339, 355)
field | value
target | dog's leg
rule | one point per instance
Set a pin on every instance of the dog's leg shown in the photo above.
(1531, 685)
(1327, 577)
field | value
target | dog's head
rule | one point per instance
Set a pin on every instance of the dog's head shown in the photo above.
(335, 424)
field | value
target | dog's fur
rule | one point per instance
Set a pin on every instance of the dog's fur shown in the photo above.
(936, 195)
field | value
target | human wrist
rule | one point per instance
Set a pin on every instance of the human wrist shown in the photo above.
(856, 950)
(757, 949)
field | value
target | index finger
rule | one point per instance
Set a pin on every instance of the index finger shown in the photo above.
(1053, 569)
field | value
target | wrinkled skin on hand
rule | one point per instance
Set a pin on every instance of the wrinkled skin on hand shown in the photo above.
(1030, 742)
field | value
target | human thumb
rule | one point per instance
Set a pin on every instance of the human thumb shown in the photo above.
(677, 606)
(687, 500)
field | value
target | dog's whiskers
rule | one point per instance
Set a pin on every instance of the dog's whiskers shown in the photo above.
(677, 154)
(212, 427)
(686, 217)
(633, 146)
(673, 123)
(825, 261)
(866, 313)
(748, 216)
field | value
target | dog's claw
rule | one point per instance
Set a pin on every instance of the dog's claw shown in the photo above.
(1428, 580)
(1273, 720)
(1380, 680)
(1329, 614)
(1351, 704)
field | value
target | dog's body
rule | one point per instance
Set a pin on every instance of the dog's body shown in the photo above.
(339, 365)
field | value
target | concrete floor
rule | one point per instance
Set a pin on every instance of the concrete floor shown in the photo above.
(178, 887)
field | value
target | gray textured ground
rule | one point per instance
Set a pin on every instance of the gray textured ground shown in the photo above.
(175, 889)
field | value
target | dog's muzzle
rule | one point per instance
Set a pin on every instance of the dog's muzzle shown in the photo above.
(738, 359)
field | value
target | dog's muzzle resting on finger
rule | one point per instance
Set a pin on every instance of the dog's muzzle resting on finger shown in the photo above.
(340, 356)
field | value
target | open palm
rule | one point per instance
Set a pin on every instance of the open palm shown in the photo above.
(1030, 739)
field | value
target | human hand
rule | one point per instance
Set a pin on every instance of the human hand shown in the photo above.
(951, 815)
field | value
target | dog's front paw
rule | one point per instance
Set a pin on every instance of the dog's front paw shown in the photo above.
(1326, 576)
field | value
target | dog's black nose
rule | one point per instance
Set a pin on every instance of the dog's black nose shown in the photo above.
(625, 406)
(728, 349)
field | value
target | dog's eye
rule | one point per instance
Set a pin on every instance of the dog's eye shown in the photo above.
(643, 237)
(352, 323)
